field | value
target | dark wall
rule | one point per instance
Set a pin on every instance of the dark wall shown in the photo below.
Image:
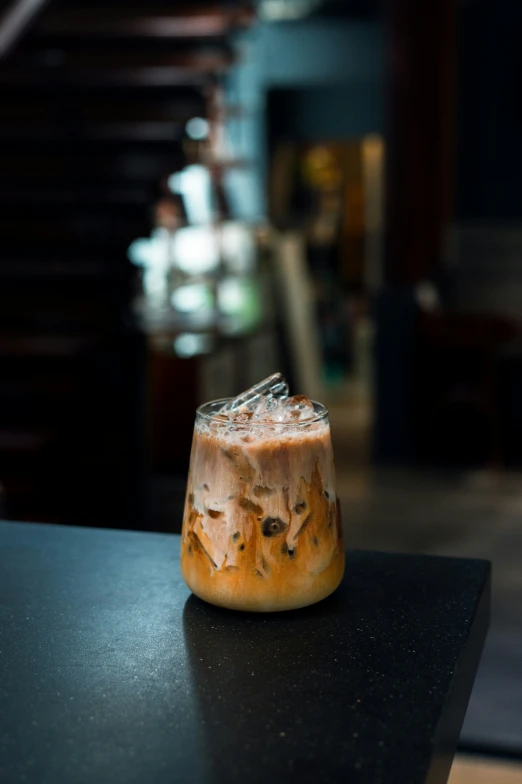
(489, 167)
(336, 112)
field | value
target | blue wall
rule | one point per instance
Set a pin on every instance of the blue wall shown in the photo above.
(319, 51)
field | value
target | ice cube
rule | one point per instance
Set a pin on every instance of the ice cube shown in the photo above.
(221, 417)
(279, 413)
(273, 386)
(279, 388)
(241, 417)
(299, 408)
(266, 408)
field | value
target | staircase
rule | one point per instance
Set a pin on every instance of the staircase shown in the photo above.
(94, 99)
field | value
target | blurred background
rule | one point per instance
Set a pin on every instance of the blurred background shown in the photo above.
(195, 195)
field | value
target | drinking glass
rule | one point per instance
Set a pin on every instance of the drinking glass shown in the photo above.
(262, 526)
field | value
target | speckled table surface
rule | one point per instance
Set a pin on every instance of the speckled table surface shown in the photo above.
(110, 671)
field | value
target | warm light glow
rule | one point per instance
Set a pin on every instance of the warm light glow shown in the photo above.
(373, 146)
(373, 159)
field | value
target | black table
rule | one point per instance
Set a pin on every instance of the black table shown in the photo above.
(111, 672)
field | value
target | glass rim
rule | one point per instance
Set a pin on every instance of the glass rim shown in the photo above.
(320, 416)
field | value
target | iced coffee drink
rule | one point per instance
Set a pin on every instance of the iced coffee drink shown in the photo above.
(262, 526)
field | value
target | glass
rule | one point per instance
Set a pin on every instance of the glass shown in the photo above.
(262, 525)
